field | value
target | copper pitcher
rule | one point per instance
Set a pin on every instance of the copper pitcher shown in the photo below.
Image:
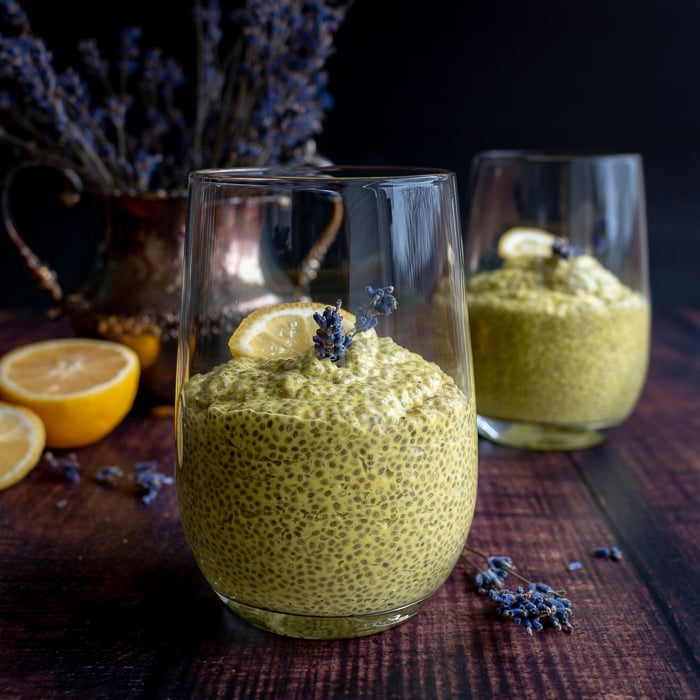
(132, 294)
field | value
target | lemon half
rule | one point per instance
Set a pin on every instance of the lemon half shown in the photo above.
(79, 387)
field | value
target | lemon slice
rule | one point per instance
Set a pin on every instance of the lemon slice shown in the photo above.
(22, 440)
(281, 330)
(521, 240)
(80, 388)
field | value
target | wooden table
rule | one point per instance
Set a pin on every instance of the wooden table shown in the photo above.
(100, 598)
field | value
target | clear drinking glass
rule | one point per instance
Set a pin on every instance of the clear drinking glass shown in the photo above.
(558, 294)
(325, 497)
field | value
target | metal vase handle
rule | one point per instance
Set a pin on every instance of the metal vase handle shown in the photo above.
(42, 271)
(314, 259)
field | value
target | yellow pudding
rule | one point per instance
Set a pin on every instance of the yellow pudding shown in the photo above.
(557, 341)
(314, 488)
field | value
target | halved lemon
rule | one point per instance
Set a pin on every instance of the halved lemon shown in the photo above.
(22, 440)
(79, 387)
(147, 347)
(525, 240)
(281, 330)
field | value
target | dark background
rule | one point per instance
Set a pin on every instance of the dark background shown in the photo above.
(433, 82)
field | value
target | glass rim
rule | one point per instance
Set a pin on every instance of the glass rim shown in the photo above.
(258, 175)
(546, 155)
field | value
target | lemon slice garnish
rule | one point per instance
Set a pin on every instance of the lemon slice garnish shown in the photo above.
(79, 387)
(281, 330)
(522, 240)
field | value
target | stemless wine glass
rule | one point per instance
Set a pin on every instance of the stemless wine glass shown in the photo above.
(559, 308)
(326, 450)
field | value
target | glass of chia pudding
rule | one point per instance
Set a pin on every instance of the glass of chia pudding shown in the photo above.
(326, 427)
(558, 295)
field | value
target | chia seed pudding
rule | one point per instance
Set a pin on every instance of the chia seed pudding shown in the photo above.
(557, 341)
(313, 489)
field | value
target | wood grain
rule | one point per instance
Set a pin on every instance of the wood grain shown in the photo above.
(100, 598)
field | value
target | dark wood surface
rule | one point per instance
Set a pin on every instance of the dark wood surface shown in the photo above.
(100, 598)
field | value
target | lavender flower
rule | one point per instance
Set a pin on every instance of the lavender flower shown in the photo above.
(494, 575)
(533, 609)
(68, 466)
(145, 476)
(16, 16)
(613, 553)
(562, 248)
(149, 480)
(259, 96)
(292, 42)
(109, 476)
(382, 302)
(330, 340)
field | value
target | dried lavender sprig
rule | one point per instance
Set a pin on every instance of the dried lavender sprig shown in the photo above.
(293, 40)
(495, 573)
(68, 465)
(60, 104)
(489, 579)
(210, 78)
(149, 480)
(39, 105)
(15, 16)
(613, 553)
(26, 64)
(109, 476)
(381, 303)
(562, 248)
(504, 565)
(535, 606)
(331, 341)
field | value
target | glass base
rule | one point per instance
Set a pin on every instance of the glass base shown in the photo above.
(533, 436)
(310, 627)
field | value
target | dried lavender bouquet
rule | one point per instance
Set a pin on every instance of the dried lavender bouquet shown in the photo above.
(259, 95)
